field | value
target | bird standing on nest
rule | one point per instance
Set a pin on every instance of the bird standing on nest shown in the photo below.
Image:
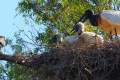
(107, 20)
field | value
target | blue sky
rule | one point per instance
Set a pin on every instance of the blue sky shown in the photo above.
(9, 24)
(8, 21)
(7, 18)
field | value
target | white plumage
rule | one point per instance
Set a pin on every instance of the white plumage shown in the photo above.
(71, 39)
(107, 20)
(61, 40)
(81, 39)
(111, 15)
(68, 41)
(89, 38)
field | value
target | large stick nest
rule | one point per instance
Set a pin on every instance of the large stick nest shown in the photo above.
(79, 64)
(87, 63)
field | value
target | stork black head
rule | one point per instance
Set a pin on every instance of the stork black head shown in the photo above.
(88, 14)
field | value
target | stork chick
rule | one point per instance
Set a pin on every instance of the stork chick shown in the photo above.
(60, 40)
(88, 38)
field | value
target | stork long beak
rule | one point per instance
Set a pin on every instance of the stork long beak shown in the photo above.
(75, 29)
(72, 31)
(83, 18)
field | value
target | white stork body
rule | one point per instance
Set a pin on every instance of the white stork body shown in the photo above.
(111, 15)
(91, 38)
(64, 41)
(71, 39)
(110, 21)
(87, 39)
(107, 20)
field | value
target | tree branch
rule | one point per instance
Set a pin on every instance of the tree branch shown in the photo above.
(22, 60)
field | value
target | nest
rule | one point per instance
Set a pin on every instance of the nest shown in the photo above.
(78, 64)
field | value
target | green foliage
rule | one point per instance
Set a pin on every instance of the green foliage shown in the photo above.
(61, 14)
(17, 72)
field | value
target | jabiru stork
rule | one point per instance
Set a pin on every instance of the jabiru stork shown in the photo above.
(107, 20)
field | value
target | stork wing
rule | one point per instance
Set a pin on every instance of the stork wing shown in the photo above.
(71, 39)
(111, 15)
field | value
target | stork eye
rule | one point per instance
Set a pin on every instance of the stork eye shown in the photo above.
(76, 28)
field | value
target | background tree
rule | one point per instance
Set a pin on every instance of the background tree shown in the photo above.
(60, 14)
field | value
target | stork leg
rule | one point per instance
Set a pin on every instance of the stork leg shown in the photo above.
(116, 36)
(110, 35)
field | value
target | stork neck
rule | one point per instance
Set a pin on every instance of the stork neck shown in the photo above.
(94, 19)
